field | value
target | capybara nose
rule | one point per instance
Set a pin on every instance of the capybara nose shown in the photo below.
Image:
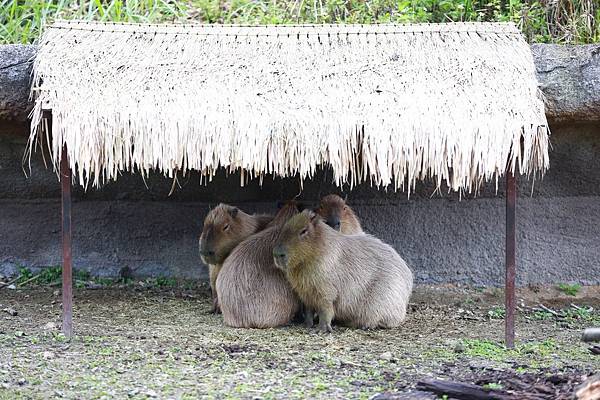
(279, 255)
(206, 253)
(334, 223)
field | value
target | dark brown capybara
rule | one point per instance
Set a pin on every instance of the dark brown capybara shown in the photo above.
(252, 291)
(356, 279)
(337, 214)
(224, 228)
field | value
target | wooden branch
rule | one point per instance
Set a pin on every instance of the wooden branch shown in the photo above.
(461, 391)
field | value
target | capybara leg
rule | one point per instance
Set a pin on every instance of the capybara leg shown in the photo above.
(215, 309)
(309, 317)
(325, 317)
(213, 273)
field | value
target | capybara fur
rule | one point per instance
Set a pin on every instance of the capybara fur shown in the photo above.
(252, 291)
(224, 228)
(356, 279)
(337, 214)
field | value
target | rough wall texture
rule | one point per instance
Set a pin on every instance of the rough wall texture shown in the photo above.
(15, 70)
(127, 224)
(569, 77)
(442, 238)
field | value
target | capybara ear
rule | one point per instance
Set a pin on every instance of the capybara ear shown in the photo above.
(233, 211)
(313, 216)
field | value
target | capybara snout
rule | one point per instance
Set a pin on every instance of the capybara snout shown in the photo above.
(207, 250)
(280, 257)
(222, 231)
(337, 214)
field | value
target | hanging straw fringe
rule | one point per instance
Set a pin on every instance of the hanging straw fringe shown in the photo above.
(387, 104)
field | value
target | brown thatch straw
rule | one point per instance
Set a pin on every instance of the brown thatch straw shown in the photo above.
(388, 104)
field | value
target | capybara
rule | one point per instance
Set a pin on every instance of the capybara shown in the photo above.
(337, 214)
(356, 279)
(224, 228)
(252, 291)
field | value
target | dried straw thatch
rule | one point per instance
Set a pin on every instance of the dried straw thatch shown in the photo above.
(388, 104)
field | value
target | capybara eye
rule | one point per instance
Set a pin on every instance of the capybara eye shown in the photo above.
(345, 208)
(303, 232)
(226, 228)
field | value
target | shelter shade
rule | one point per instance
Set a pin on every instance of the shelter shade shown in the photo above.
(387, 104)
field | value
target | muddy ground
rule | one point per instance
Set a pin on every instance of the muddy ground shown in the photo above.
(144, 341)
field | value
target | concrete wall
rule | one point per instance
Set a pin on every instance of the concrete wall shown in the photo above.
(444, 239)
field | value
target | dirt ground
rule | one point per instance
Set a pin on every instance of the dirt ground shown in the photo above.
(142, 342)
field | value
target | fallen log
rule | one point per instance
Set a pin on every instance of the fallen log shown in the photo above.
(461, 391)
(569, 79)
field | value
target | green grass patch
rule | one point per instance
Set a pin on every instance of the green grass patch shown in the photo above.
(569, 290)
(498, 352)
(496, 313)
(567, 21)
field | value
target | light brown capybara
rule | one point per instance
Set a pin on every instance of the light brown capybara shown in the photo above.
(337, 214)
(252, 291)
(224, 228)
(356, 279)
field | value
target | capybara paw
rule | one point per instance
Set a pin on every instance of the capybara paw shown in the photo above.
(215, 309)
(325, 328)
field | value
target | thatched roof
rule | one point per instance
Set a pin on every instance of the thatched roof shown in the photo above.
(388, 104)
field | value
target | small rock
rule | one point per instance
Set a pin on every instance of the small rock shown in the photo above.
(151, 393)
(12, 287)
(459, 347)
(93, 285)
(387, 356)
(4, 385)
(21, 381)
(133, 392)
(50, 326)
(11, 311)
(48, 355)
(19, 333)
(56, 292)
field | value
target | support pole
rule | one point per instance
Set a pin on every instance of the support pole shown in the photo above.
(67, 273)
(509, 291)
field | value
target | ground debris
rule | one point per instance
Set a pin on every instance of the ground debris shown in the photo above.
(10, 311)
(161, 343)
(411, 395)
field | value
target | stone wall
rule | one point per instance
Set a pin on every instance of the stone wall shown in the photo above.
(134, 223)
(443, 238)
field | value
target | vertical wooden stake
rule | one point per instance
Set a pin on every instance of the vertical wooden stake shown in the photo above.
(509, 291)
(67, 272)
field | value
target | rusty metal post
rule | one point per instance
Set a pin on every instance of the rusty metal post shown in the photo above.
(509, 290)
(67, 271)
